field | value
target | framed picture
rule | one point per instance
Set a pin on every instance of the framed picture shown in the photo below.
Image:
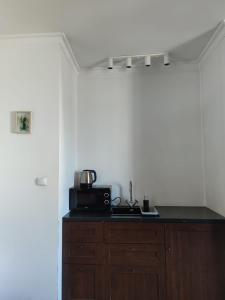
(23, 122)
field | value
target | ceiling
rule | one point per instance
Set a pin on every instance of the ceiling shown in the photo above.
(97, 29)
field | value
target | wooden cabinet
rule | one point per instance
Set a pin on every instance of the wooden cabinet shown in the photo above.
(147, 261)
(135, 261)
(136, 254)
(83, 261)
(137, 232)
(134, 283)
(84, 253)
(83, 232)
(83, 282)
(195, 261)
(113, 261)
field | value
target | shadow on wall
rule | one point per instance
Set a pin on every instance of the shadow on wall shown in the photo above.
(191, 49)
(165, 135)
(186, 52)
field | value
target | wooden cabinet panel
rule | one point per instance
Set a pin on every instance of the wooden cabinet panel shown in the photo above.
(134, 233)
(83, 232)
(83, 282)
(149, 286)
(121, 284)
(136, 254)
(195, 261)
(83, 253)
(129, 261)
(135, 283)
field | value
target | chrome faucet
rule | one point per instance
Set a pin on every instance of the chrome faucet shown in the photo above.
(131, 202)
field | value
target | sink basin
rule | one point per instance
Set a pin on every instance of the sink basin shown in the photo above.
(126, 210)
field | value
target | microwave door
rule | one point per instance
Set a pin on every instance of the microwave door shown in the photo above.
(87, 200)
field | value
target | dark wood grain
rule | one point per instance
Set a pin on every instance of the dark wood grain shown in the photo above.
(134, 233)
(135, 283)
(83, 282)
(195, 261)
(84, 253)
(136, 254)
(143, 261)
(83, 232)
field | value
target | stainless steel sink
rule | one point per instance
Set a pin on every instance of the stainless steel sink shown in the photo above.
(126, 210)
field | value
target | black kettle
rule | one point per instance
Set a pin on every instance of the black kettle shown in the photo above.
(87, 178)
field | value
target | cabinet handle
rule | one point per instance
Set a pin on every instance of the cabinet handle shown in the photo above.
(169, 250)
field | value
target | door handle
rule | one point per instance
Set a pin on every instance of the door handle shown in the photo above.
(169, 250)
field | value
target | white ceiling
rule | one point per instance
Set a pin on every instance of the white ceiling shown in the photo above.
(97, 29)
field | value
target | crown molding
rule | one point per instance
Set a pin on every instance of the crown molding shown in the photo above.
(30, 35)
(216, 38)
(65, 44)
(59, 37)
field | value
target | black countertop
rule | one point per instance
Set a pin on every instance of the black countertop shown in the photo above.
(167, 214)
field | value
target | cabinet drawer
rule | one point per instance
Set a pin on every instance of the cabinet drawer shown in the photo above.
(84, 253)
(134, 233)
(136, 254)
(83, 232)
(135, 283)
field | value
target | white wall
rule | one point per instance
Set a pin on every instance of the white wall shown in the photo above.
(35, 76)
(143, 124)
(68, 143)
(68, 130)
(212, 72)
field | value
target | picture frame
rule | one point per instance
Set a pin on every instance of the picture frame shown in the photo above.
(22, 122)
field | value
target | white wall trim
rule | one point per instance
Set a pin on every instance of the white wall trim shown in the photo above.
(69, 52)
(57, 36)
(202, 140)
(30, 35)
(216, 38)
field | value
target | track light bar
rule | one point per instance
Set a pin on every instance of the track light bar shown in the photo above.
(137, 56)
(147, 59)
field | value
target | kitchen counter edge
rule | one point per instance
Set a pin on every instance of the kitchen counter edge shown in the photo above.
(167, 214)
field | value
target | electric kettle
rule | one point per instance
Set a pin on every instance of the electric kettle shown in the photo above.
(87, 178)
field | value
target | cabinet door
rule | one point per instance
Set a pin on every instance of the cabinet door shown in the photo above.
(83, 282)
(135, 283)
(195, 261)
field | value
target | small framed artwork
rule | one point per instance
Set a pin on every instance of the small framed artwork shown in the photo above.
(22, 122)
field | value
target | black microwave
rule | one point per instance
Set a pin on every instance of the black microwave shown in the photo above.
(97, 198)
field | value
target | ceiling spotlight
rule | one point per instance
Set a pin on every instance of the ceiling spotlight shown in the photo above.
(147, 60)
(129, 62)
(166, 60)
(110, 63)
